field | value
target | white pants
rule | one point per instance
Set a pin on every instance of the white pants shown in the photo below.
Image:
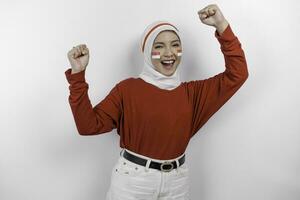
(131, 181)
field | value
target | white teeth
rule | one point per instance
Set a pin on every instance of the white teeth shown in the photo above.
(168, 62)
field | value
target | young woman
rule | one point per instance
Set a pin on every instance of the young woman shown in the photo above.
(156, 114)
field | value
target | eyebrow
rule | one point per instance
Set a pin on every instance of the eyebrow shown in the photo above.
(163, 43)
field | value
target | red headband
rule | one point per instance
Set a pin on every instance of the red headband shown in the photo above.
(152, 30)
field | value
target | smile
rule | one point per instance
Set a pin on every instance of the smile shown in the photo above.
(168, 63)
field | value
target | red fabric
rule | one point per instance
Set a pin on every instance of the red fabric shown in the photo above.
(155, 122)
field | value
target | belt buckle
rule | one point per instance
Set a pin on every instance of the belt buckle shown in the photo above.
(166, 163)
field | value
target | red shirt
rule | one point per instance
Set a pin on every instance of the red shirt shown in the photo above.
(155, 122)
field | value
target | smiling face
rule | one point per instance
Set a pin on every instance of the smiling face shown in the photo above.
(165, 49)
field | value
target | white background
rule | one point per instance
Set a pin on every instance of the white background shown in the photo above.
(248, 150)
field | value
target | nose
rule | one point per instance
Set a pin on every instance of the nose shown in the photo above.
(168, 52)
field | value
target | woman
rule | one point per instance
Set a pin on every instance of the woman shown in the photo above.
(156, 114)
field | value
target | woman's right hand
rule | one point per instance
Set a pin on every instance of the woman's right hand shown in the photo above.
(79, 58)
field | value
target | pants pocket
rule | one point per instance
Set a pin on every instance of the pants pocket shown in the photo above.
(180, 184)
(127, 168)
(131, 180)
(183, 170)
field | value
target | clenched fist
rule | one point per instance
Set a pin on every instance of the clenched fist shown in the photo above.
(78, 58)
(211, 15)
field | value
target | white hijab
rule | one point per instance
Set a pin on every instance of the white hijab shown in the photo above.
(149, 74)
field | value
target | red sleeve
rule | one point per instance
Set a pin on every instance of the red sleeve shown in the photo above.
(209, 95)
(89, 120)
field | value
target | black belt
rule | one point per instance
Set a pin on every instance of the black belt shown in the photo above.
(165, 166)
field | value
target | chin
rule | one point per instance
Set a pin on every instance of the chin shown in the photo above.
(169, 73)
(164, 71)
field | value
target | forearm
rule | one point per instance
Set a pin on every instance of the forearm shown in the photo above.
(221, 27)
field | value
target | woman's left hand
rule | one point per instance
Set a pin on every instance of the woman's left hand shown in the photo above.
(211, 15)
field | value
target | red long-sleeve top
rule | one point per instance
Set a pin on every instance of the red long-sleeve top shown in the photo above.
(155, 122)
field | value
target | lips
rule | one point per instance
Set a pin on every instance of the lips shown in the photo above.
(168, 63)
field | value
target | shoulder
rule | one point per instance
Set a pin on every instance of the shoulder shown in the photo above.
(127, 83)
(192, 83)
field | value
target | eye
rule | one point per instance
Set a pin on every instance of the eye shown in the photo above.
(176, 45)
(157, 47)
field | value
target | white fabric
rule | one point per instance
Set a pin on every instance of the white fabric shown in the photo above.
(149, 74)
(131, 181)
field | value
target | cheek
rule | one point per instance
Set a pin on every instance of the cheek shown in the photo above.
(155, 55)
(156, 63)
(179, 52)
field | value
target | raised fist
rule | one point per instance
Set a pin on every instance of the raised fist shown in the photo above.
(78, 58)
(211, 15)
